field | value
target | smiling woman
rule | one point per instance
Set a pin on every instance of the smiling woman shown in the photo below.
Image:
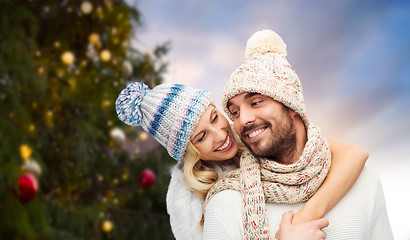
(213, 148)
(185, 121)
(212, 136)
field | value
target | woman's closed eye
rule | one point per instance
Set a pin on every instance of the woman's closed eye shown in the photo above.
(201, 138)
(215, 118)
(203, 134)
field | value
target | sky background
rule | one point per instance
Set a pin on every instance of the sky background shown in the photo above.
(353, 58)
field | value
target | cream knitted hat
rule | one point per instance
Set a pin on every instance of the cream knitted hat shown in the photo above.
(266, 71)
(169, 112)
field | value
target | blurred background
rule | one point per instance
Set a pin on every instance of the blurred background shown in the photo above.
(70, 169)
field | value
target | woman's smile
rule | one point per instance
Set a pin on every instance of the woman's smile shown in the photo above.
(213, 138)
(226, 145)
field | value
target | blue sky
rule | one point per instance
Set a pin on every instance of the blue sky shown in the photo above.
(353, 58)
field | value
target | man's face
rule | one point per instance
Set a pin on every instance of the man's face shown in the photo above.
(265, 126)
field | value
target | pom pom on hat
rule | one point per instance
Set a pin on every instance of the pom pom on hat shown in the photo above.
(128, 104)
(263, 42)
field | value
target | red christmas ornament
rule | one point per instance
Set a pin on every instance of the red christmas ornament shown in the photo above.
(146, 178)
(28, 187)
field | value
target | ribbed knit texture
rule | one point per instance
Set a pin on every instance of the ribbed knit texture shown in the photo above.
(266, 71)
(169, 112)
(266, 180)
(360, 215)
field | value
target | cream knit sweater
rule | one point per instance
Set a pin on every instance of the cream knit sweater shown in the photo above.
(360, 214)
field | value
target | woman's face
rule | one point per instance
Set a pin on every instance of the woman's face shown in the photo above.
(212, 136)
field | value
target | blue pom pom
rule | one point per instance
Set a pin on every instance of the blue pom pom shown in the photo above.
(128, 104)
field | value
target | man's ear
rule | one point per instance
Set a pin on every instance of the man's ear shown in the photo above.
(292, 112)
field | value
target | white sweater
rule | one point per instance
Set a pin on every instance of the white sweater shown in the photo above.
(360, 214)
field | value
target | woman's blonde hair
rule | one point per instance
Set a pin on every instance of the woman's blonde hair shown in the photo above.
(197, 176)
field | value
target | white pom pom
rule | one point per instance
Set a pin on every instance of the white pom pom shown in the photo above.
(265, 41)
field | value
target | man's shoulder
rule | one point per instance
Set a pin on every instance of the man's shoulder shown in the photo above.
(368, 173)
(226, 199)
(225, 206)
(361, 212)
(223, 216)
(368, 182)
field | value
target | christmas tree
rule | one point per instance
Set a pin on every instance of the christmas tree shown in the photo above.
(69, 168)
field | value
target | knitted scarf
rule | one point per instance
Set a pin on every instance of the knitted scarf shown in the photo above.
(261, 180)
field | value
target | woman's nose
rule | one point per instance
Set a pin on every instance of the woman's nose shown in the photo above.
(219, 133)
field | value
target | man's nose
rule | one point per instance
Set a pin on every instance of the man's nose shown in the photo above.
(246, 117)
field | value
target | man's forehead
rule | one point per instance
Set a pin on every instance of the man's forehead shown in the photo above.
(251, 94)
(240, 97)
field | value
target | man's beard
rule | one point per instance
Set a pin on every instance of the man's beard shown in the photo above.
(282, 143)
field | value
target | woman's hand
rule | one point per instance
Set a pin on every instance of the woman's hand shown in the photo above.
(288, 230)
(303, 217)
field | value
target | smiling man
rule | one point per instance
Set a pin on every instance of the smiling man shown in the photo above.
(267, 127)
(287, 161)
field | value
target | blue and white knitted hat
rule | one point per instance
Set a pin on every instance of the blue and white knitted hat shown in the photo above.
(169, 112)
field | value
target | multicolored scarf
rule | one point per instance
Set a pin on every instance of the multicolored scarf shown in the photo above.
(261, 180)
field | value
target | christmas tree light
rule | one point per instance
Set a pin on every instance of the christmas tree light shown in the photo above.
(60, 76)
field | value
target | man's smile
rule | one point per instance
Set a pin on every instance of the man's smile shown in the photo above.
(256, 134)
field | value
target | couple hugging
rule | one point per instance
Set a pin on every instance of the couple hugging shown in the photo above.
(269, 175)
